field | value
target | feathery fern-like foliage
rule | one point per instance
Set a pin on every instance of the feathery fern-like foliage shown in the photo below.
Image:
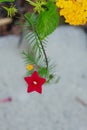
(36, 54)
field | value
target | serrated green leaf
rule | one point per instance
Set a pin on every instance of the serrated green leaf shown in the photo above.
(48, 20)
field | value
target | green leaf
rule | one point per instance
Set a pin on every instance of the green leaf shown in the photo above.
(11, 10)
(43, 71)
(52, 0)
(31, 18)
(6, 1)
(48, 20)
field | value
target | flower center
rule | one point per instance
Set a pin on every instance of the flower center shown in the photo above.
(34, 82)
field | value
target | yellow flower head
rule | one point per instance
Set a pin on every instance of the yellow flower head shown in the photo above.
(29, 67)
(74, 11)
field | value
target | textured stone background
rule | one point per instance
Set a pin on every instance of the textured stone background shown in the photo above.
(62, 106)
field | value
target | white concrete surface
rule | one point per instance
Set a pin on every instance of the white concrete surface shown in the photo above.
(57, 108)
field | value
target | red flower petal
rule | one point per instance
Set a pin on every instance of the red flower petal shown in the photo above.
(35, 82)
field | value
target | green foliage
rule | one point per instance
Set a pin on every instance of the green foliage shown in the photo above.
(43, 71)
(32, 35)
(10, 10)
(6, 1)
(38, 5)
(30, 18)
(53, 0)
(36, 54)
(30, 58)
(48, 20)
(38, 25)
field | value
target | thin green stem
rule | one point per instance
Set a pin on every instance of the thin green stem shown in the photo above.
(46, 59)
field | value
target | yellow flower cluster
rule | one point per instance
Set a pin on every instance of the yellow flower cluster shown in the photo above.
(74, 11)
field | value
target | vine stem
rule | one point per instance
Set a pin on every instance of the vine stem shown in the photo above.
(46, 59)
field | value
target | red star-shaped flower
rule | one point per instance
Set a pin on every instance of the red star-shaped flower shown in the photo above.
(35, 82)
